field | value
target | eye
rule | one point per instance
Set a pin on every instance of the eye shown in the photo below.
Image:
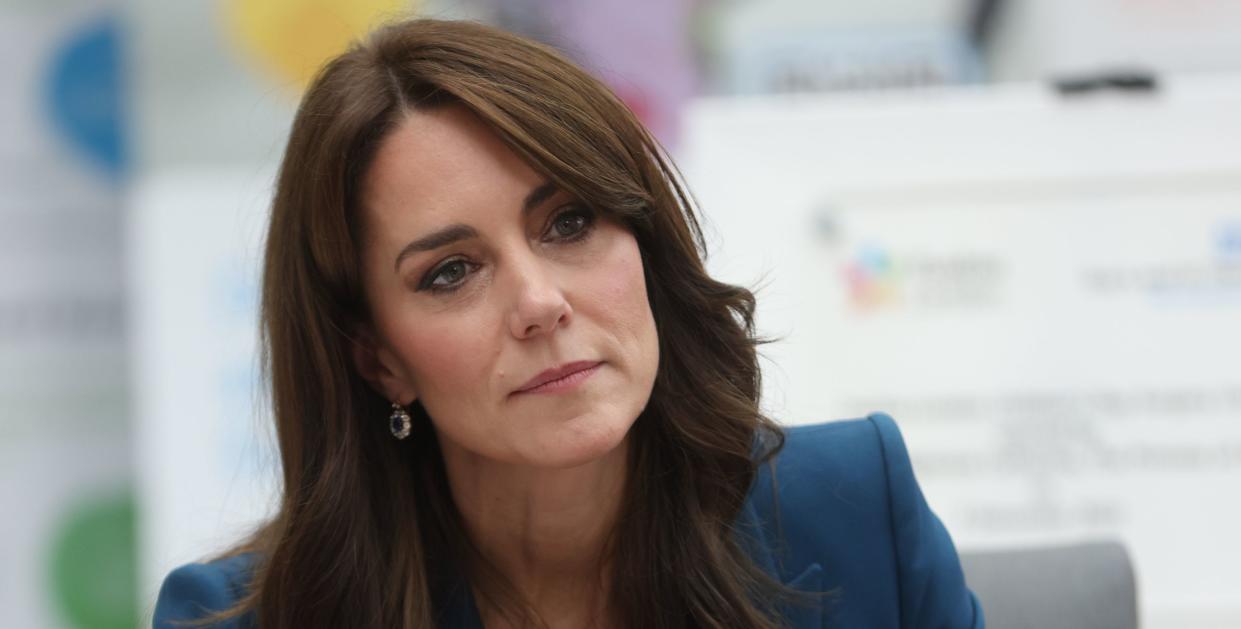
(447, 277)
(572, 223)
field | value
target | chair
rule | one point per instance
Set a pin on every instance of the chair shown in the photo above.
(1080, 586)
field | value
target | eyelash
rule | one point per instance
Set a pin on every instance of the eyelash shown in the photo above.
(588, 224)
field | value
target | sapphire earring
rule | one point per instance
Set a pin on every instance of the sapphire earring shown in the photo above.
(399, 422)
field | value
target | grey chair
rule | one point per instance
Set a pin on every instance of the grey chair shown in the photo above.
(1080, 586)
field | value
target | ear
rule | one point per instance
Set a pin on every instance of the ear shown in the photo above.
(378, 365)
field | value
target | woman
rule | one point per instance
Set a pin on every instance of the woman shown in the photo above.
(507, 393)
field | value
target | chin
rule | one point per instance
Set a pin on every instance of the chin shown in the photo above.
(581, 441)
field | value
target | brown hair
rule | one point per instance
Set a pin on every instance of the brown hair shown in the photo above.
(367, 534)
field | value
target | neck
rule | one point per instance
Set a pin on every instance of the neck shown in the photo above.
(546, 530)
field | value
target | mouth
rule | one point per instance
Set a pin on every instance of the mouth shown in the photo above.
(560, 378)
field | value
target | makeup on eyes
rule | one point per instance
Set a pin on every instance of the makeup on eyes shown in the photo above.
(586, 219)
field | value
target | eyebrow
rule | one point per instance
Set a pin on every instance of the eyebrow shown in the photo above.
(459, 231)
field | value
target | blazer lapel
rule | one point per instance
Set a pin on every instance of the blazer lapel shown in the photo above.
(806, 614)
(753, 536)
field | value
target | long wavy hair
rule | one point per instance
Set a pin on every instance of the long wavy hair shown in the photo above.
(366, 534)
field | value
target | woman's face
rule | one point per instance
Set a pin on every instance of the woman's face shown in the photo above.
(481, 275)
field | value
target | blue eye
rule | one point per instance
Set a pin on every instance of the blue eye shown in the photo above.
(573, 223)
(446, 277)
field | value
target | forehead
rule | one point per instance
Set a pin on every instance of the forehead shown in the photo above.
(442, 165)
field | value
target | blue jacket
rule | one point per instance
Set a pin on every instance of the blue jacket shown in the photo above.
(851, 520)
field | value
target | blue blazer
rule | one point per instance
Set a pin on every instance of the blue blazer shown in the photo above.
(849, 520)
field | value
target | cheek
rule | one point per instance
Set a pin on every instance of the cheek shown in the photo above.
(446, 356)
(621, 294)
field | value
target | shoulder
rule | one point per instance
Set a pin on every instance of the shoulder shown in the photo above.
(850, 468)
(865, 460)
(195, 591)
(841, 498)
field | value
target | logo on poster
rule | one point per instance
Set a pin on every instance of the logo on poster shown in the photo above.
(872, 279)
(1228, 240)
(877, 278)
(1210, 280)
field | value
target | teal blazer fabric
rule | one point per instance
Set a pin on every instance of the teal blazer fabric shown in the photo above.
(849, 519)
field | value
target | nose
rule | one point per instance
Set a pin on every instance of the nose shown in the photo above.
(540, 306)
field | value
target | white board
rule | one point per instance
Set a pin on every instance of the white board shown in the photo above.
(206, 463)
(1045, 293)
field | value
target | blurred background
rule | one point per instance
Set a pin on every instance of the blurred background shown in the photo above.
(1013, 224)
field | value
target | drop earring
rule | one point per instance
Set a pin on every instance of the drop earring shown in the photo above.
(399, 421)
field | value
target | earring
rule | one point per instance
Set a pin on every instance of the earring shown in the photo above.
(399, 422)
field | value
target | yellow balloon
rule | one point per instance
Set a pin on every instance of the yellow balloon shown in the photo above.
(291, 39)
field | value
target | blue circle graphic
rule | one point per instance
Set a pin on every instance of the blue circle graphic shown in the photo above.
(84, 94)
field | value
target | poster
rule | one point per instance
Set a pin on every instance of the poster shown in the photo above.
(1045, 294)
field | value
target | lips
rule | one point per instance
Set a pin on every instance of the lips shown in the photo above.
(556, 373)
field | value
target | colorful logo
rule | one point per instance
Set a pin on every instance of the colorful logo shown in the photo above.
(872, 278)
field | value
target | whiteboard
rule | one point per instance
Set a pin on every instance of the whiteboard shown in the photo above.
(1045, 292)
(206, 464)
